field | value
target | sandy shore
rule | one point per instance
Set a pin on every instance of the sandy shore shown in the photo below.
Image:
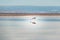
(29, 14)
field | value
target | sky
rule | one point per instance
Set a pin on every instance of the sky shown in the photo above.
(30, 2)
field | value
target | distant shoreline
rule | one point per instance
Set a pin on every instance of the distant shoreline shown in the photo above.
(29, 14)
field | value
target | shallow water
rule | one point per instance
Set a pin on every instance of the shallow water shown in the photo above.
(22, 28)
(30, 9)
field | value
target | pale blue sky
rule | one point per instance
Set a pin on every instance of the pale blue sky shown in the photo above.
(30, 2)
